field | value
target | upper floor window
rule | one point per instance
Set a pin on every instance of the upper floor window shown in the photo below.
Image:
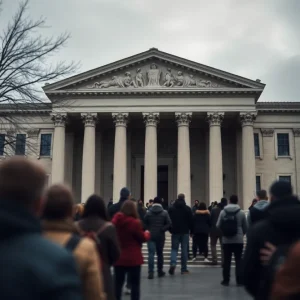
(45, 149)
(258, 183)
(285, 178)
(256, 144)
(20, 144)
(2, 143)
(283, 144)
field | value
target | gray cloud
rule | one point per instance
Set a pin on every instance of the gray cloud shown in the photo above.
(255, 39)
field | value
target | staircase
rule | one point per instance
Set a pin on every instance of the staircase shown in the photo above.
(199, 263)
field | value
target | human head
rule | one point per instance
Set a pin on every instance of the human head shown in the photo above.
(261, 195)
(254, 201)
(181, 197)
(59, 203)
(95, 207)
(150, 202)
(202, 206)
(129, 209)
(23, 181)
(157, 200)
(124, 194)
(196, 202)
(280, 189)
(216, 203)
(223, 202)
(233, 199)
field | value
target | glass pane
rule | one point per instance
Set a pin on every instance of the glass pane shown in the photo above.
(2, 143)
(283, 144)
(258, 186)
(20, 144)
(45, 149)
(256, 144)
(285, 178)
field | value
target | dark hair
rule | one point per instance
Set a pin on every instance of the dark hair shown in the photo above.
(181, 197)
(157, 200)
(216, 202)
(262, 194)
(202, 206)
(59, 203)
(129, 209)
(95, 207)
(281, 189)
(150, 201)
(234, 199)
(22, 180)
(224, 201)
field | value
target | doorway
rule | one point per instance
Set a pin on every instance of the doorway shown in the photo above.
(162, 182)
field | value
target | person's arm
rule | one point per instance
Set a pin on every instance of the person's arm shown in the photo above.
(167, 222)
(140, 235)
(92, 280)
(252, 266)
(244, 224)
(65, 284)
(114, 251)
(249, 219)
(220, 219)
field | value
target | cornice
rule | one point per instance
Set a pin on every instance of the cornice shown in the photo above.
(278, 106)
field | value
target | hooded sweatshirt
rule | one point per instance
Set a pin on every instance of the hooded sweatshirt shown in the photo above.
(241, 222)
(157, 221)
(257, 211)
(181, 217)
(280, 227)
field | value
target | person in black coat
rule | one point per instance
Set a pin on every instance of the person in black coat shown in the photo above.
(32, 267)
(200, 232)
(281, 227)
(124, 195)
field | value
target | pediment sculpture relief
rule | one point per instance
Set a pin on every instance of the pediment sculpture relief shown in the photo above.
(154, 77)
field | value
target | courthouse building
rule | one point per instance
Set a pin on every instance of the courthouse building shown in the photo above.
(162, 125)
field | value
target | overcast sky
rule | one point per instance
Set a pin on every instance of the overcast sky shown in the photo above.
(254, 39)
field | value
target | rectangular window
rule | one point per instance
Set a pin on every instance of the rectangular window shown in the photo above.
(2, 143)
(258, 185)
(283, 144)
(45, 149)
(285, 178)
(20, 144)
(256, 145)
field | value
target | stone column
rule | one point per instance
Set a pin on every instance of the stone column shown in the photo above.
(215, 156)
(248, 159)
(120, 154)
(184, 156)
(58, 153)
(150, 170)
(88, 156)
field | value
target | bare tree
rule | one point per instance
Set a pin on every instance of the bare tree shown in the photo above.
(25, 67)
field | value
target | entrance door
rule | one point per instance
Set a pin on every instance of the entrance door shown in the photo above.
(162, 182)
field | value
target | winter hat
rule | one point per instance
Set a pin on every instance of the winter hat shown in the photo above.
(157, 200)
(124, 193)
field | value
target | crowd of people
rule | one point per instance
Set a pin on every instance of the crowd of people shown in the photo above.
(53, 249)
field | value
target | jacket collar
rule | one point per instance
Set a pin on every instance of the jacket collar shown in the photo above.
(59, 226)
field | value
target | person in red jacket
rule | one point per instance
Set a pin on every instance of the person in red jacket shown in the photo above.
(131, 237)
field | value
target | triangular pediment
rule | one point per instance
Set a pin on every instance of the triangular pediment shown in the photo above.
(153, 70)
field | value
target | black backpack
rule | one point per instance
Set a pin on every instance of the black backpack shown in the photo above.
(229, 224)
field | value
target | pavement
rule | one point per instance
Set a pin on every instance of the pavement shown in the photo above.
(201, 283)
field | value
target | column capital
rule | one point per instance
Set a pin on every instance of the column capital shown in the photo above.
(59, 119)
(89, 119)
(215, 118)
(296, 132)
(120, 119)
(33, 132)
(183, 119)
(248, 118)
(151, 119)
(267, 132)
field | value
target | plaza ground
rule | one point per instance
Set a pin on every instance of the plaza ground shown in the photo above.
(202, 283)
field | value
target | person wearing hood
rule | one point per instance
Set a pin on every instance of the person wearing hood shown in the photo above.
(258, 211)
(124, 195)
(182, 222)
(201, 229)
(280, 228)
(233, 244)
(32, 267)
(131, 237)
(157, 221)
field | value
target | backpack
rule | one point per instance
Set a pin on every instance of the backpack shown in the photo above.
(94, 235)
(229, 224)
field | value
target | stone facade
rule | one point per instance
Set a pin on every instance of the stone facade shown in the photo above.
(156, 122)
